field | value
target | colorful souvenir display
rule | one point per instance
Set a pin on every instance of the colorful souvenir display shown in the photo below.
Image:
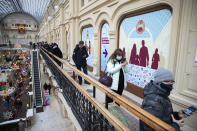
(14, 79)
(22, 64)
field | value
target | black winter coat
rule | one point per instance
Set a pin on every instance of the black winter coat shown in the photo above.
(45, 86)
(78, 56)
(157, 103)
(56, 51)
(46, 46)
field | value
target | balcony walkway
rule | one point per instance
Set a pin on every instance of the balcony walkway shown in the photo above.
(52, 119)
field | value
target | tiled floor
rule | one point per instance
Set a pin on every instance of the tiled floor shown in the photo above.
(51, 119)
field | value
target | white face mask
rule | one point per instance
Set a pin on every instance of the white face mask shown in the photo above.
(119, 57)
(54, 47)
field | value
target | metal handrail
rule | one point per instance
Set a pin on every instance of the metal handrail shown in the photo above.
(107, 115)
(32, 77)
(39, 77)
(143, 115)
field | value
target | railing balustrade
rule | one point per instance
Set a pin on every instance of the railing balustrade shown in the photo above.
(91, 114)
(9, 127)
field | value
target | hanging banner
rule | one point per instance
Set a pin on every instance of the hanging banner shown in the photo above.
(21, 28)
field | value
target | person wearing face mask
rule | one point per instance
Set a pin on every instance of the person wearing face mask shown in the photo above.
(117, 68)
(157, 103)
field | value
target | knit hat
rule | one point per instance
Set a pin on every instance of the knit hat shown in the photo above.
(162, 74)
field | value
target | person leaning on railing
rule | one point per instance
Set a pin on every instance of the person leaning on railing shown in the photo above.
(156, 100)
(117, 69)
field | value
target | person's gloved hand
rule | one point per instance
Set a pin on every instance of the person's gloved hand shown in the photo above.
(179, 122)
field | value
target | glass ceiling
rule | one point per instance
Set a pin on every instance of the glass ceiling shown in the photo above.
(35, 8)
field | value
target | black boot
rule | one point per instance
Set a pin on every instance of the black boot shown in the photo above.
(86, 82)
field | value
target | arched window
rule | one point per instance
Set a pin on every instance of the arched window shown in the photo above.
(6, 38)
(145, 40)
(88, 38)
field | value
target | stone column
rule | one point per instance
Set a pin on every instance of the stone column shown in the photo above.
(54, 36)
(72, 38)
(113, 42)
(62, 32)
(62, 40)
(96, 54)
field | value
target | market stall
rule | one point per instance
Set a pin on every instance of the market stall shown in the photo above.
(15, 76)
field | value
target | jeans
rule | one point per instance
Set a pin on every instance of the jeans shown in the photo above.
(84, 70)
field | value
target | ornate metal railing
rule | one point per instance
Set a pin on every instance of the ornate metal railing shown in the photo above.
(89, 117)
(9, 127)
(143, 115)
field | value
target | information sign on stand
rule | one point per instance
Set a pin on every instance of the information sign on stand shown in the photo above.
(47, 98)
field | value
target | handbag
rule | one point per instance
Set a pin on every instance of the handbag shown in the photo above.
(106, 79)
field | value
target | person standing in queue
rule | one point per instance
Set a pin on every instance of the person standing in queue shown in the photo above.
(45, 86)
(56, 51)
(30, 43)
(49, 88)
(34, 46)
(117, 67)
(79, 57)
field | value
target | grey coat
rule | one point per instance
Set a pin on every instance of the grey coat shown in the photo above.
(157, 103)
